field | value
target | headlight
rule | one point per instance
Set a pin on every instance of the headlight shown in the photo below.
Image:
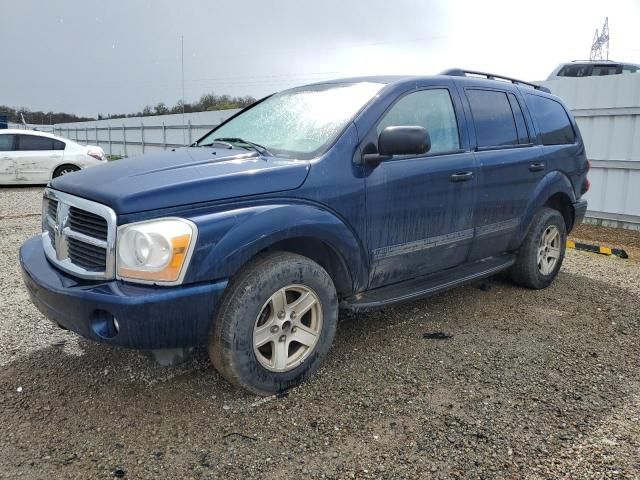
(157, 251)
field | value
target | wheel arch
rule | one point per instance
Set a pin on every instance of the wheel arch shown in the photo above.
(229, 240)
(63, 165)
(555, 191)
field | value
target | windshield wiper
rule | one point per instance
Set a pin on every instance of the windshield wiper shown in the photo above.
(246, 143)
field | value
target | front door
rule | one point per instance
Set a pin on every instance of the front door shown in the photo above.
(420, 207)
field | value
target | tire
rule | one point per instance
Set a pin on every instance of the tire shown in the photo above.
(251, 313)
(64, 169)
(533, 271)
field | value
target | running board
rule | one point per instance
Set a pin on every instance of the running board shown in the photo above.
(427, 285)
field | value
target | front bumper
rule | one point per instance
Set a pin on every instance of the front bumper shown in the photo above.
(146, 317)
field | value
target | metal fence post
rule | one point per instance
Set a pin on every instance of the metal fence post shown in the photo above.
(164, 136)
(142, 135)
(124, 138)
(109, 132)
(190, 132)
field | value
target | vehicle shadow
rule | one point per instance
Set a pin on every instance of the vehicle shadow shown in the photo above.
(518, 371)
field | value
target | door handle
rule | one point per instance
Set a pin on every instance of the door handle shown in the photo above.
(461, 176)
(536, 167)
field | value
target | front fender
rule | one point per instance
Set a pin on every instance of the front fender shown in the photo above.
(552, 183)
(228, 240)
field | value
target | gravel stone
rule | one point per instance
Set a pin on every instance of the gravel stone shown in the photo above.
(532, 384)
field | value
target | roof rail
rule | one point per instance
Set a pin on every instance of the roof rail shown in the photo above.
(594, 61)
(459, 72)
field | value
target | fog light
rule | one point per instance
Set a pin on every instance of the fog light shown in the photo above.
(104, 324)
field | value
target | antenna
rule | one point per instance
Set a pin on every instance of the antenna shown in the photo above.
(600, 45)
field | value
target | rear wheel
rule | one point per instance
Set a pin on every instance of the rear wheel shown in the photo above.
(64, 169)
(541, 254)
(276, 323)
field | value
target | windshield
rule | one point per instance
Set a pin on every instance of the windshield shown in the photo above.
(298, 123)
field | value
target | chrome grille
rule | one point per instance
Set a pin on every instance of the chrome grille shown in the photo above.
(89, 257)
(88, 223)
(79, 235)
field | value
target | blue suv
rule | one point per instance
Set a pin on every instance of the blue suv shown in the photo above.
(351, 194)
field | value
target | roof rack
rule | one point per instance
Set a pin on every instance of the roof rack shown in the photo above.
(459, 72)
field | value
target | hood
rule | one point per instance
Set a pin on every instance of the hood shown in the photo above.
(182, 177)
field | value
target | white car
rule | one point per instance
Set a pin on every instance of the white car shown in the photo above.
(31, 157)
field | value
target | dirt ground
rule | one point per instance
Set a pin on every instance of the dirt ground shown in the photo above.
(532, 384)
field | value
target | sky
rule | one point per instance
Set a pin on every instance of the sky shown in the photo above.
(95, 56)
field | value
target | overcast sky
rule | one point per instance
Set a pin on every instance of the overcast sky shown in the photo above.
(96, 56)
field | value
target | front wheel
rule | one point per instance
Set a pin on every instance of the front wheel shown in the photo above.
(275, 324)
(541, 254)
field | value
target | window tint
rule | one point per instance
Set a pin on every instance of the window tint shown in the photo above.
(58, 145)
(6, 143)
(553, 121)
(578, 70)
(493, 118)
(629, 68)
(599, 70)
(431, 109)
(521, 126)
(34, 142)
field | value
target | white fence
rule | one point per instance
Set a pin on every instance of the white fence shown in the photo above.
(607, 110)
(127, 137)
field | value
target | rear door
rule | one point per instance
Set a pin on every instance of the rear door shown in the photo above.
(7, 163)
(509, 167)
(36, 157)
(420, 207)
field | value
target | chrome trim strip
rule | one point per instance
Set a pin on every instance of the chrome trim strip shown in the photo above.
(440, 240)
(56, 249)
(422, 244)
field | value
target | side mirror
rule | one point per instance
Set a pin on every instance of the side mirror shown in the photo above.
(399, 140)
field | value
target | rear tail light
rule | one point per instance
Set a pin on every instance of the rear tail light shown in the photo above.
(97, 153)
(587, 184)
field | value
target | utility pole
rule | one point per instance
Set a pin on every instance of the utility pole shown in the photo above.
(184, 141)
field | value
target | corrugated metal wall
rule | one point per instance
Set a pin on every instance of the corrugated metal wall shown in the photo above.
(607, 110)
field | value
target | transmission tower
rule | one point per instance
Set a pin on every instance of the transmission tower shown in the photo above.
(600, 45)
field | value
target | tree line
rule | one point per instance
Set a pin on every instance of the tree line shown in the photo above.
(207, 102)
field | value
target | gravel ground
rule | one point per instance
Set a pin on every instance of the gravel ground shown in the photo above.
(533, 384)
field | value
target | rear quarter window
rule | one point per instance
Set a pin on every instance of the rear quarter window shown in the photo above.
(552, 119)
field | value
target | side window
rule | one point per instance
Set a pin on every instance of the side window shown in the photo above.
(521, 125)
(431, 109)
(493, 118)
(34, 142)
(578, 70)
(553, 121)
(6, 143)
(58, 145)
